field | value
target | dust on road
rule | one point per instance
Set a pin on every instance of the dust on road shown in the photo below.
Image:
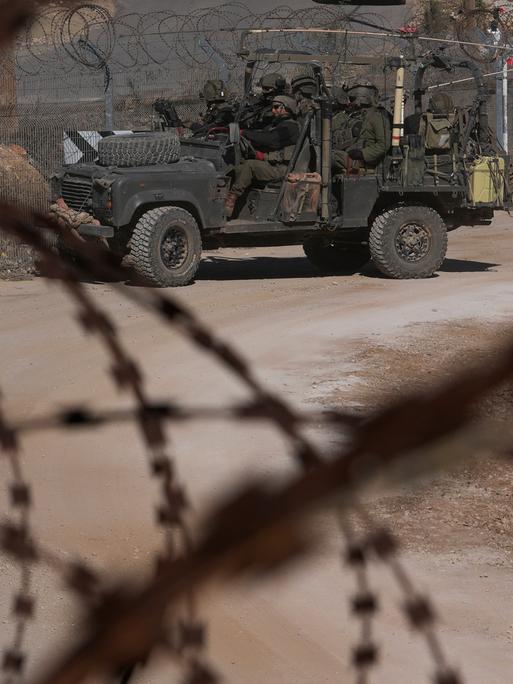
(347, 341)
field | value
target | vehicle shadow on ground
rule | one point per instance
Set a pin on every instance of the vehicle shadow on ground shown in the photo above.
(465, 266)
(263, 267)
(449, 266)
(254, 268)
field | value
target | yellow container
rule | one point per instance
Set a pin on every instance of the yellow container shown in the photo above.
(486, 180)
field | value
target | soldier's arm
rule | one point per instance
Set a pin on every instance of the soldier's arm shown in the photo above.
(276, 138)
(376, 150)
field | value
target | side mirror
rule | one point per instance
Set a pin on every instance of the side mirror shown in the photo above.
(234, 133)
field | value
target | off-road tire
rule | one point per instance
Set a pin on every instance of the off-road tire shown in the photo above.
(408, 242)
(163, 236)
(335, 259)
(139, 149)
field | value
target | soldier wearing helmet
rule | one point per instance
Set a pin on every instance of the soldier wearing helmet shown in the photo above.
(257, 113)
(219, 111)
(341, 116)
(304, 88)
(369, 132)
(274, 146)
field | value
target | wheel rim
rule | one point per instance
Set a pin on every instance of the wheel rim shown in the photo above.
(413, 242)
(174, 248)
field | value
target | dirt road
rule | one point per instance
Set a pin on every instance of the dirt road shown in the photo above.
(344, 341)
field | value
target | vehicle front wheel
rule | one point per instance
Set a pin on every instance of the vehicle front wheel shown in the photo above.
(408, 242)
(335, 258)
(165, 247)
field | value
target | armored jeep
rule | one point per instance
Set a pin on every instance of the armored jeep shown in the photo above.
(160, 199)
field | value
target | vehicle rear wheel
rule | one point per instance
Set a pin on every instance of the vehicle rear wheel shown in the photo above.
(165, 247)
(408, 242)
(334, 257)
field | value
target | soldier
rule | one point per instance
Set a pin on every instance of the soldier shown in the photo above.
(341, 108)
(258, 113)
(219, 112)
(368, 128)
(304, 89)
(339, 100)
(274, 147)
(346, 125)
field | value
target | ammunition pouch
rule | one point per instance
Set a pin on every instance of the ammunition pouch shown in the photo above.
(341, 140)
(436, 129)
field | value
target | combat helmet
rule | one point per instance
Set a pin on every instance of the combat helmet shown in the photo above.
(213, 91)
(339, 97)
(441, 103)
(272, 83)
(363, 93)
(287, 101)
(305, 84)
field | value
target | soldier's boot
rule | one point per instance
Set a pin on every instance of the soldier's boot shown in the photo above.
(229, 204)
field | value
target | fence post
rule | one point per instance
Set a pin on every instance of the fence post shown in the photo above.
(499, 107)
(8, 90)
(109, 99)
(505, 143)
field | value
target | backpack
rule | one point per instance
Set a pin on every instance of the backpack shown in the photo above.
(436, 129)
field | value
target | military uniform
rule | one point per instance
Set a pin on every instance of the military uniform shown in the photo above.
(257, 113)
(304, 88)
(275, 146)
(219, 112)
(346, 128)
(367, 133)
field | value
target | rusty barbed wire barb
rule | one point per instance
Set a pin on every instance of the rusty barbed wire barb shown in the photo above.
(20, 537)
(81, 416)
(417, 609)
(364, 603)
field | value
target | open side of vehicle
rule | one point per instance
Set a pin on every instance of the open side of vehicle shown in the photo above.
(163, 211)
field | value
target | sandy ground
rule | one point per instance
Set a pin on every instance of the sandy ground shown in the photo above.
(350, 342)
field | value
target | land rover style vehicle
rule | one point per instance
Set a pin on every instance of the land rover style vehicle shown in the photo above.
(160, 200)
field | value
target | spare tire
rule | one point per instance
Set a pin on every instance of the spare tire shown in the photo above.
(139, 149)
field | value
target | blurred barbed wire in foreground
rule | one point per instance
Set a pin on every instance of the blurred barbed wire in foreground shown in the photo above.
(256, 528)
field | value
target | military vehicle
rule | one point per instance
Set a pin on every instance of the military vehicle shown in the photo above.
(160, 200)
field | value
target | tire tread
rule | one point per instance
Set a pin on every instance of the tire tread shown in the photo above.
(139, 149)
(377, 244)
(140, 246)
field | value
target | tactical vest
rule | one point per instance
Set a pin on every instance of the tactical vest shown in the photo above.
(282, 156)
(436, 130)
(347, 133)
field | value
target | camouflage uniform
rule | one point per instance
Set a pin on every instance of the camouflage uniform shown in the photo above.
(258, 113)
(368, 132)
(304, 89)
(275, 143)
(219, 112)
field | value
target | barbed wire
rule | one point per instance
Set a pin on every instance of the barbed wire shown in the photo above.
(59, 40)
(376, 442)
(256, 529)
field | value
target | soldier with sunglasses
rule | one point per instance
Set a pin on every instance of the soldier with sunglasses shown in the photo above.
(274, 146)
